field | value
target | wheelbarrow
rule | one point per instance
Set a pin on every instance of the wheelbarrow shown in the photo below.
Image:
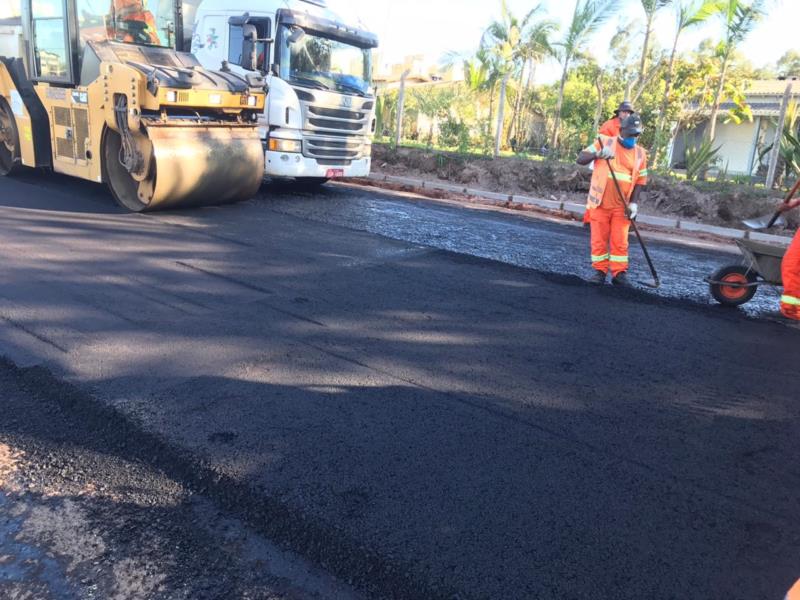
(735, 285)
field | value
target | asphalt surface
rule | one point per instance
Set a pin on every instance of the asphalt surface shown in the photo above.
(425, 401)
(86, 513)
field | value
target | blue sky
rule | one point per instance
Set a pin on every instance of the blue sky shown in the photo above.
(434, 27)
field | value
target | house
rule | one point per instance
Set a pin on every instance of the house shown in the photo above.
(740, 144)
(420, 69)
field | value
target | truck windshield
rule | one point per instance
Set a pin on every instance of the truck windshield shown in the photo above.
(145, 22)
(311, 60)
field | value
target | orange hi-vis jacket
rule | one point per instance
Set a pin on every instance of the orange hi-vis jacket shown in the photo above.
(790, 301)
(611, 127)
(794, 593)
(134, 10)
(628, 164)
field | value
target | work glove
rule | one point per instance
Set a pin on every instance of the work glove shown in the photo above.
(632, 211)
(605, 153)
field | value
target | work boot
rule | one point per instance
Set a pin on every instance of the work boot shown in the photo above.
(599, 278)
(621, 279)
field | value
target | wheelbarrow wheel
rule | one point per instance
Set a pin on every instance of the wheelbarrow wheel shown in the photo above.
(732, 295)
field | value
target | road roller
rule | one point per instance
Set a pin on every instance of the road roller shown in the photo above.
(102, 90)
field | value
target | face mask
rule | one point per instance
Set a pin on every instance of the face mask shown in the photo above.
(628, 142)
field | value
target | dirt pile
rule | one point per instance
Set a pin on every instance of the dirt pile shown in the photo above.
(724, 204)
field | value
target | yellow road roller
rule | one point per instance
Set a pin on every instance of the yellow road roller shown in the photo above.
(100, 89)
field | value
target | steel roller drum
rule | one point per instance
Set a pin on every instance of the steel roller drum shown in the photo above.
(199, 165)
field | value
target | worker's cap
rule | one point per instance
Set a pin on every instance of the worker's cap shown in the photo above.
(631, 127)
(625, 106)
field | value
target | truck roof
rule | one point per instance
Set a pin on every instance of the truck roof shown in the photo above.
(317, 8)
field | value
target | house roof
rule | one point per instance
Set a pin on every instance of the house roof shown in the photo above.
(771, 87)
(764, 97)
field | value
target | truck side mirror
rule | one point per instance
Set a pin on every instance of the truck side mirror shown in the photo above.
(249, 47)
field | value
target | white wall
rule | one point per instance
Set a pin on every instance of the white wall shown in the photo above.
(10, 38)
(9, 8)
(736, 143)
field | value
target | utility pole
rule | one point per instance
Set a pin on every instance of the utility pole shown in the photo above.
(776, 144)
(501, 113)
(401, 101)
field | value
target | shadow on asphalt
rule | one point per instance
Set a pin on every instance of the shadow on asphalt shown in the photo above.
(425, 421)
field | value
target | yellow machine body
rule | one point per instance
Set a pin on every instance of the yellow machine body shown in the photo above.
(156, 145)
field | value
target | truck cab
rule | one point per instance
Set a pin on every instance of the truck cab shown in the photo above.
(320, 113)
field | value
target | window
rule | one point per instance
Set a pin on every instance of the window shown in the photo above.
(145, 22)
(50, 47)
(314, 60)
(236, 37)
(92, 20)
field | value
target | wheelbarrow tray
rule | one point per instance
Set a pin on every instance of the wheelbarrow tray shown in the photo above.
(764, 259)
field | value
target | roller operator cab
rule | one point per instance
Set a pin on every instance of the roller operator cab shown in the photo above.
(99, 89)
(320, 113)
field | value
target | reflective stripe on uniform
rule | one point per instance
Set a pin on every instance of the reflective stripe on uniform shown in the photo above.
(599, 257)
(790, 300)
(618, 259)
(621, 176)
(644, 172)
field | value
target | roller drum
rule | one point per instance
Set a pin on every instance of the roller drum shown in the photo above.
(189, 166)
(195, 166)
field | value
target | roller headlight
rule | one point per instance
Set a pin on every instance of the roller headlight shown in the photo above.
(252, 101)
(278, 145)
(172, 96)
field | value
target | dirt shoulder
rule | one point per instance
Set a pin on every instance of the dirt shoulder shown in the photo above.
(719, 204)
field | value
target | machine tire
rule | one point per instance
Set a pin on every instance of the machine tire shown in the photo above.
(9, 156)
(733, 296)
(311, 183)
(123, 187)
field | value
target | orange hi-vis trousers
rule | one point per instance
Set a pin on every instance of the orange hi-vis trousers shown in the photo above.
(610, 229)
(790, 301)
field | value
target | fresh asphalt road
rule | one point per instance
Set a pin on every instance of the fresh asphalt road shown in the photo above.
(424, 400)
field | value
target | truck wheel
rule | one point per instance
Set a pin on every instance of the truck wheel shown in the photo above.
(9, 140)
(124, 188)
(732, 295)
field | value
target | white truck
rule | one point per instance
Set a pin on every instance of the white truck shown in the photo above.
(320, 113)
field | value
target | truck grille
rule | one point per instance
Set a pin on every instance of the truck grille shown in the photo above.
(336, 128)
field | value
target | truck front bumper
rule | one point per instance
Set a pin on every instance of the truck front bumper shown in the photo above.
(288, 164)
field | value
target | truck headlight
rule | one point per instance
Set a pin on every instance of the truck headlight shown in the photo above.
(278, 145)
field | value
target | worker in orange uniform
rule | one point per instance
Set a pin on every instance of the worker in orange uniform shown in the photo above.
(611, 214)
(132, 23)
(611, 129)
(790, 301)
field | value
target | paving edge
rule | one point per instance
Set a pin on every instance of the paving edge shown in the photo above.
(496, 198)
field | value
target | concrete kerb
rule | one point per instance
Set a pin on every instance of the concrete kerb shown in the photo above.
(736, 234)
(497, 197)
(540, 202)
(579, 210)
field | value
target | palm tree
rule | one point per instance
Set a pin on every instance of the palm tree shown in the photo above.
(536, 46)
(688, 16)
(651, 7)
(511, 40)
(588, 17)
(738, 19)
